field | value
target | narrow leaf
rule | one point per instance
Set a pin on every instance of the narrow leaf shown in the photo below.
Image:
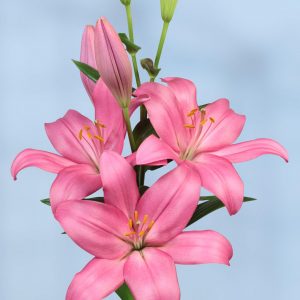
(97, 199)
(124, 292)
(130, 47)
(212, 204)
(87, 70)
(143, 130)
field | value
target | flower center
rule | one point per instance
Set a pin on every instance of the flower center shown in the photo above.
(198, 127)
(93, 138)
(138, 230)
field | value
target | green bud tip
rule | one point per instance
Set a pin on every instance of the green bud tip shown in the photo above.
(167, 9)
(126, 2)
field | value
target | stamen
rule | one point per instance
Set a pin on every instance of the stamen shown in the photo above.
(130, 223)
(142, 233)
(212, 120)
(130, 233)
(145, 219)
(100, 138)
(136, 215)
(90, 136)
(98, 124)
(192, 112)
(203, 122)
(189, 126)
(86, 127)
(151, 224)
(80, 134)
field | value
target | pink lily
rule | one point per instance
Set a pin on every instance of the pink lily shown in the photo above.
(138, 239)
(200, 138)
(113, 62)
(87, 56)
(81, 143)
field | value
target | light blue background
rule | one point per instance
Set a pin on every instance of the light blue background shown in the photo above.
(247, 51)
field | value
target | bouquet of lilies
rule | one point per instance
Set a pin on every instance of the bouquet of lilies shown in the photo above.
(136, 233)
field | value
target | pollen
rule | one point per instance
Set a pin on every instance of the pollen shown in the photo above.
(145, 219)
(99, 125)
(136, 215)
(203, 122)
(99, 138)
(192, 112)
(189, 126)
(130, 223)
(212, 120)
(80, 134)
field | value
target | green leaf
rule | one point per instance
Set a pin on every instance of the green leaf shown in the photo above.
(130, 46)
(143, 130)
(148, 65)
(97, 199)
(87, 70)
(212, 204)
(124, 292)
(46, 201)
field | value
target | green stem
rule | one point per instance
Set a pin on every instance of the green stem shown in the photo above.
(129, 129)
(161, 43)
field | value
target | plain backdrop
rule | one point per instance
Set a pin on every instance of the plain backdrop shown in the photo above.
(247, 51)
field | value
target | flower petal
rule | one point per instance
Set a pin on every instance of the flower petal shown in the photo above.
(251, 149)
(119, 182)
(151, 275)
(44, 160)
(185, 92)
(113, 62)
(223, 126)
(220, 177)
(154, 150)
(199, 247)
(170, 203)
(97, 228)
(98, 279)
(64, 136)
(74, 183)
(87, 56)
(109, 113)
(165, 114)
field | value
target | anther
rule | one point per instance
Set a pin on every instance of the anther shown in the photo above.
(151, 224)
(141, 233)
(192, 112)
(100, 138)
(80, 134)
(145, 219)
(86, 127)
(98, 124)
(130, 223)
(189, 126)
(203, 122)
(129, 233)
(136, 215)
(212, 120)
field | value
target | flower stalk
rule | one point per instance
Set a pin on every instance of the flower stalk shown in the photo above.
(129, 129)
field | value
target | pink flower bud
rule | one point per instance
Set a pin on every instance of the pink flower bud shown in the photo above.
(112, 62)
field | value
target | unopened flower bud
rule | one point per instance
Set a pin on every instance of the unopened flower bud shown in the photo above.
(167, 9)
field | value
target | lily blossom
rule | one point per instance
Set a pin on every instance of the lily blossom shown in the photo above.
(136, 239)
(81, 143)
(113, 62)
(202, 138)
(87, 56)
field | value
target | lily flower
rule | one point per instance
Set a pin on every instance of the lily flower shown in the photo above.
(201, 138)
(136, 239)
(113, 62)
(87, 56)
(80, 143)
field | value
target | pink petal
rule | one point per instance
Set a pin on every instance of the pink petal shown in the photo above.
(119, 182)
(113, 62)
(220, 177)
(136, 102)
(151, 275)
(251, 149)
(154, 150)
(98, 279)
(97, 228)
(109, 113)
(199, 247)
(185, 92)
(44, 160)
(165, 114)
(225, 129)
(170, 203)
(74, 183)
(87, 56)
(64, 136)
